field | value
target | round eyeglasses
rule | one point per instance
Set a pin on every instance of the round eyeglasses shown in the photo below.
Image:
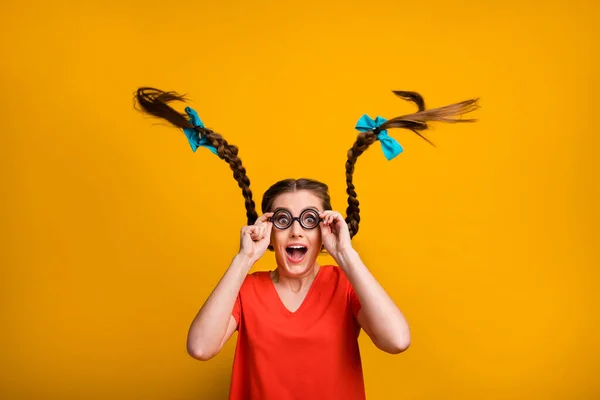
(283, 219)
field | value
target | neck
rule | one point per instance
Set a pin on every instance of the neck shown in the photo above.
(295, 282)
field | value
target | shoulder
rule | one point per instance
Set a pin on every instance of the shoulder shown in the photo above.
(256, 279)
(257, 275)
(327, 273)
(334, 274)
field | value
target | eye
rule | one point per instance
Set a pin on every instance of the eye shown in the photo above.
(310, 218)
(282, 219)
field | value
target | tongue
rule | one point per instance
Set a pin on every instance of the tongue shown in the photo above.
(296, 254)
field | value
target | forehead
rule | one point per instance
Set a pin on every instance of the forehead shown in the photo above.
(298, 201)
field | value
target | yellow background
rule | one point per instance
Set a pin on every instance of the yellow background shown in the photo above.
(114, 232)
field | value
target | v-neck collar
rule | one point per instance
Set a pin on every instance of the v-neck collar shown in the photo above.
(282, 306)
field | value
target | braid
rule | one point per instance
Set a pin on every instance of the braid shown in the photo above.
(415, 122)
(364, 140)
(229, 153)
(155, 102)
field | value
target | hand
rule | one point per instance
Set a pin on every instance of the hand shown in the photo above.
(335, 233)
(255, 239)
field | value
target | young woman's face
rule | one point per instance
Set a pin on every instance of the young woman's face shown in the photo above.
(297, 248)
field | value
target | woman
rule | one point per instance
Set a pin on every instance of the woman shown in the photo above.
(298, 325)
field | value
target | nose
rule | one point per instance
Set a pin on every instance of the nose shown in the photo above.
(296, 229)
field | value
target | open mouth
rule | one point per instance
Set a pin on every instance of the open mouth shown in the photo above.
(296, 254)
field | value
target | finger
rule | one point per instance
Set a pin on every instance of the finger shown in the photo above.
(329, 216)
(336, 216)
(261, 232)
(252, 232)
(325, 229)
(263, 218)
(265, 230)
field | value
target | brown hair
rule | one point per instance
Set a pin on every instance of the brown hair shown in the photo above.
(415, 122)
(291, 185)
(155, 102)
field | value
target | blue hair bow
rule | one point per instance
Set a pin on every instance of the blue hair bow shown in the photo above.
(194, 137)
(391, 148)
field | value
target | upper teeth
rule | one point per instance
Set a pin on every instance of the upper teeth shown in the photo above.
(297, 247)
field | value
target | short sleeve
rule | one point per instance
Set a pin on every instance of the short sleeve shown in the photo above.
(237, 311)
(355, 305)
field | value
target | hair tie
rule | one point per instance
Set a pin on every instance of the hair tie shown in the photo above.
(390, 146)
(195, 138)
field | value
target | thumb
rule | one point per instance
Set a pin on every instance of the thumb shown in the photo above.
(269, 229)
(325, 229)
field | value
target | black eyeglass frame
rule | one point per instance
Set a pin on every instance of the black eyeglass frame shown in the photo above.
(293, 219)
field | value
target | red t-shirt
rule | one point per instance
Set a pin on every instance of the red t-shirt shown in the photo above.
(311, 353)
